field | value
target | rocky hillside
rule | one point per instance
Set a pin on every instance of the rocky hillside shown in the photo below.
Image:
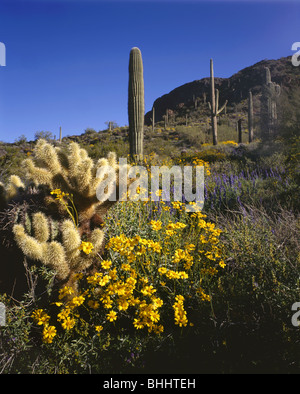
(234, 89)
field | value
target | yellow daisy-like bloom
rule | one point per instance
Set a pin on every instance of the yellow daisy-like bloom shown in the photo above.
(106, 264)
(162, 270)
(170, 233)
(138, 324)
(59, 194)
(86, 247)
(157, 302)
(68, 323)
(123, 304)
(40, 317)
(77, 301)
(148, 290)
(67, 290)
(107, 302)
(125, 267)
(98, 328)
(156, 225)
(111, 316)
(222, 264)
(103, 281)
(63, 314)
(158, 329)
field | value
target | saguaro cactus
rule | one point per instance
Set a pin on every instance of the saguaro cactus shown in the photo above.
(270, 93)
(136, 105)
(250, 116)
(153, 118)
(214, 105)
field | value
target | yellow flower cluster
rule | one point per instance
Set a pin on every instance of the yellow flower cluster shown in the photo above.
(179, 312)
(183, 255)
(229, 143)
(178, 205)
(98, 279)
(67, 316)
(42, 318)
(170, 274)
(141, 277)
(204, 297)
(175, 226)
(67, 322)
(209, 235)
(170, 227)
(148, 316)
(59, 194)
(131, 248)
(122, 293)
(71, 209)
(196, 161)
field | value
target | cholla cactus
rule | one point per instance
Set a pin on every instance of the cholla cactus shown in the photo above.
(74, 173)
(45, 232)
(11, 190)
(65, 257)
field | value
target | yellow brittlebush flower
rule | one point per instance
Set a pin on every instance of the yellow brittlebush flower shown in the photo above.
(68, 323)
(86, 247)
(156, 224)
(111, 316)
(49, 333)
(40, 317)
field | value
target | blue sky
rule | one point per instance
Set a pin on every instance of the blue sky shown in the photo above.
(67, 60)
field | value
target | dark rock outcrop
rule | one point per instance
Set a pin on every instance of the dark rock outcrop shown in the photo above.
(234, 89)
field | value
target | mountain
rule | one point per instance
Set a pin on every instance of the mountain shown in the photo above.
(234, 89)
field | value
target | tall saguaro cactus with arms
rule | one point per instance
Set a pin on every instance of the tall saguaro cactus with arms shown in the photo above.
(136, 104)
(214, 105)
(269, 99)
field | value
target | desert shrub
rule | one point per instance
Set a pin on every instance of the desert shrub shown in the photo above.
(102, 147)
(193, 136)
(46, 135)
(210, 155)
(162, 147)
(259, 287)
(10, 162)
